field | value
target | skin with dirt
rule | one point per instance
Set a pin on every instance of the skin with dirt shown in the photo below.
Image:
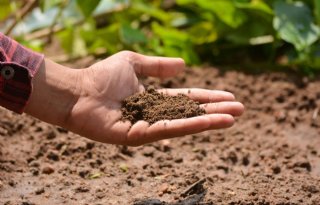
(270, 156)
(152, 106)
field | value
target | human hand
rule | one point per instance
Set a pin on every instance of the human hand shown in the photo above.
(107, 83)
(95, 94)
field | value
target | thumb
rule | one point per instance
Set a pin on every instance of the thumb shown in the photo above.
(160, 67)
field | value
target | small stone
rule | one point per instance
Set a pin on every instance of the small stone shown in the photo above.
(276, 169)
(90, 145)
(53, 155)
(148, 151)
(246, 160)
(303, 164)
(83, 173)
(140, 178)
(39, 191)
(3, 131)
(12, 183)
(51, 135)
(47, 170)
(34, 171)
(178, 160)
(280, 116)
(82, 189)
(27, 203)
(164, 188)
(34, 164)
(62, 130)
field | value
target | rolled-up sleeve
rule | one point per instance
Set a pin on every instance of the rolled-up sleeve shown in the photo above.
(18, 65)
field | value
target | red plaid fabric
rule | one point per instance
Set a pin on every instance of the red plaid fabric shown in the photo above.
(18, 65)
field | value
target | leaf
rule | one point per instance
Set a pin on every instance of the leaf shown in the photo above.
(254, 5)
(35, 45)
(5, 9)
(95, 175)
(315, 56)
(87, 7)
(294, 23)
(169, 34)
(106, 38)
(130, 35)
(184, 2)
(46, 4)
(242, 35)
(176, 43)
(110, 33)
(317, 10)
(72, 42)
(179, 19)
(153, 11)
(66, 39)
(225, 11)
(203, 32)
(79, 46)
(159, 177)
(88, 30)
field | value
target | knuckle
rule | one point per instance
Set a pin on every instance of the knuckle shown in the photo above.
(159, 69)
(128, 55)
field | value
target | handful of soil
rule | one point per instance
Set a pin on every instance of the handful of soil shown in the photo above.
(152, 106)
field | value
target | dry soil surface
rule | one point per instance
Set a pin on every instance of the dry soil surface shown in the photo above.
(270, 156)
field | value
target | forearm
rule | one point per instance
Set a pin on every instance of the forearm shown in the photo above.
(55, 91)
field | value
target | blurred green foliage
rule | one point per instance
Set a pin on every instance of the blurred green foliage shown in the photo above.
(238, 32)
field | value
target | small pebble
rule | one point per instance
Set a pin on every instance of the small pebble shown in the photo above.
(47, 170)
(39, 191)
(164, 188)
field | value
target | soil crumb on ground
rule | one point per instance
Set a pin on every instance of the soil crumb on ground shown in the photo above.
(152, 106)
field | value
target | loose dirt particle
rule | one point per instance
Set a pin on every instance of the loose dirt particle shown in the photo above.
(82, 189)
(152, 106)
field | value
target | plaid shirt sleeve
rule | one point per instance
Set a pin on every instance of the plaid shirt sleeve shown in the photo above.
(18, 65)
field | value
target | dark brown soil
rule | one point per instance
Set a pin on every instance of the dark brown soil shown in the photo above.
(152, 106)
(270, 156)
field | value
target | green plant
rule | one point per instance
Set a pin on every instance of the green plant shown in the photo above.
(200, 31)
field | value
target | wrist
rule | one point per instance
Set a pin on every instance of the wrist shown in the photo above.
(55, 91)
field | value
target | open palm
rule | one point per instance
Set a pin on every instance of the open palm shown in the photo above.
(107, 83)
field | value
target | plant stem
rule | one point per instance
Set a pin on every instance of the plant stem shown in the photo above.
(24, 11)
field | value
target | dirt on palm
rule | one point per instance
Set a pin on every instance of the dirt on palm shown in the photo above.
(152, 106)
(270, 156)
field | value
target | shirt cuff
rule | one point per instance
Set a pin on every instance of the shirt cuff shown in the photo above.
(18, 65)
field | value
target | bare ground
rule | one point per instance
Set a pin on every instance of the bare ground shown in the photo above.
(270, 156)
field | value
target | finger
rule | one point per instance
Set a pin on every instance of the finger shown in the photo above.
(231, 108)
(201, 95)
(117, 133)
(137, 133)
(181, 127)
(141, 133)
(160, 67)
(141, 88)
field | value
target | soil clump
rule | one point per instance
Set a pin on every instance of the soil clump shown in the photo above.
(152, 106)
